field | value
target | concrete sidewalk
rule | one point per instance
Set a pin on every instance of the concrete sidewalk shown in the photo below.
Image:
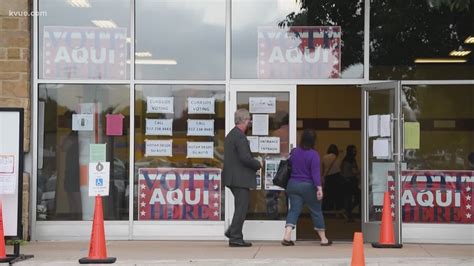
(261, 253)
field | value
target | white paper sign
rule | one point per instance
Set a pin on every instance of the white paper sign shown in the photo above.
(253, 143)
(200, 150)
(385, 129)
(381, 148)
(266, 105)
(159, 127)
(271, 167)
(374, 125)
(201, 105)
(7, 183)
(7, 164)
(162, 105)
(198, 127)
(7, 174)
(99, 179)
(158, 147)
(82, 122)
(269, 145)
(260, 125)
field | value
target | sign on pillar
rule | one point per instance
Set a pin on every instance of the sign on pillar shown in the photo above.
(99, 179)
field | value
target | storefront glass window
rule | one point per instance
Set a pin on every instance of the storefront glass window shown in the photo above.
(437, 186)
(302, 39)
(180, 39)
(269, 138)
(73, 120)
(179, 140)
(419, 40)
(380, 165)
(84, 39)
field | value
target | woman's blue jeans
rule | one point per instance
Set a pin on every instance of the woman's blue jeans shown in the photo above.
(300, 194)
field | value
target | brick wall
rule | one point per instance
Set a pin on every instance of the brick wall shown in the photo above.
(15, 47)
(15, 73)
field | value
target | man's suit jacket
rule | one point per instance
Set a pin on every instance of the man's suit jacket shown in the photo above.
(239, 165)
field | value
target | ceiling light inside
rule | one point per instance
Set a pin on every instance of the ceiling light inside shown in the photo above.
(459, 53)
(154, 62)
(438, 60)
(469, 39)
(106, 24)
(79, 3)
(143, 54)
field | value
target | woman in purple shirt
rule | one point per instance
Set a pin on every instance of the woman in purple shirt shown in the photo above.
(304, 188)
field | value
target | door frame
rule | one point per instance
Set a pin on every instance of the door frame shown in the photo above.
(259, 229)
(371, 229)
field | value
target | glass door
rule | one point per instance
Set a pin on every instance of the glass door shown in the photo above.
(271, 136)
(381, 156)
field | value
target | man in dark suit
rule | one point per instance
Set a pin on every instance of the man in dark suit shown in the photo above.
(239, 175)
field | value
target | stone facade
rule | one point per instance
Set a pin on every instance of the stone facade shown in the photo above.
(15, 49)
(15, 74)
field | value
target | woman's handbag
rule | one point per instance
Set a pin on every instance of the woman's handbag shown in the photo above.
(283, 174)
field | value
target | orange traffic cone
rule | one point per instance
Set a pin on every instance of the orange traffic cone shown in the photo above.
(3, 255)
(358, 258)
(97, 248)
(387, 237)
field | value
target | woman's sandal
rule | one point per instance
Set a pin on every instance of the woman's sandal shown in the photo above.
(287, 242)
(327, 243)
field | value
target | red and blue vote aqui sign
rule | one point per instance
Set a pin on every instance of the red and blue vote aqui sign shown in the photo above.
(432, 196)
(179, 194)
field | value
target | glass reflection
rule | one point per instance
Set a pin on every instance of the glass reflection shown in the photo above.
(72, 118)
(439, 154)
(447, 134)
(180, 39)
(297, 39)
(84, 40)
(402, 32)
(380, 167)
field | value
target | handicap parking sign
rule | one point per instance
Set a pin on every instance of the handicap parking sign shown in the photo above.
(99, 182)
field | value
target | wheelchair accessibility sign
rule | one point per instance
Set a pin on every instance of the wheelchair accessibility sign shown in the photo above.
(99, 178)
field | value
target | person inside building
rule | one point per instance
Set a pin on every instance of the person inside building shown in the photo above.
(239, 175)
(331, 168)
(350, 173)
(470, 160)
(305, 188)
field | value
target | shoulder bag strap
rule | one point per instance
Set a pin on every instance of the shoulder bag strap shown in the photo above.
(330, 167)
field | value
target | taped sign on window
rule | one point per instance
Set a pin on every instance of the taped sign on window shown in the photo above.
(201, 105)
(158, 147)
(269, 145)
(198, 127)
(162, 105)
(159, 127)
(200, 149)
